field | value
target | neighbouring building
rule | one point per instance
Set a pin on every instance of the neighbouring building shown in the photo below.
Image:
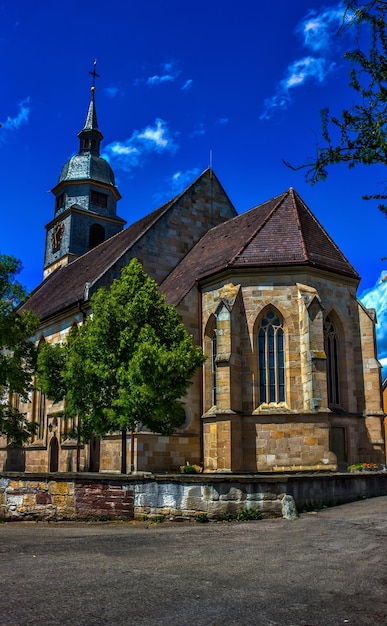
(291, 382)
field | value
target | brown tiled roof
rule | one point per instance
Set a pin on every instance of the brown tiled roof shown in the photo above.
(66, 286)
(280, 232)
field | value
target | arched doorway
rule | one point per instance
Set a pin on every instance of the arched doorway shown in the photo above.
(54, 455)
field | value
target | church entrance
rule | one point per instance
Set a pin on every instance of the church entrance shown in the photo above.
(54, 455)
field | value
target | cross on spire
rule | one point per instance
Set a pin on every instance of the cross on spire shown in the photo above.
(94, 74)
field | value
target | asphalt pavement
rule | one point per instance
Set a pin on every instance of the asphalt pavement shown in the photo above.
(326, 568)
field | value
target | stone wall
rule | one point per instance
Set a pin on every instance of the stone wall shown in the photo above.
(90, 496)
(49, 498)
(243, 434)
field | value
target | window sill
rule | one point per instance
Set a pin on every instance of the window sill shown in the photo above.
(273, 407)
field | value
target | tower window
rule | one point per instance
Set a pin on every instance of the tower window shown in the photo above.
(89, 144)
(99, 199)
(96, 235)
(271, 359)
(60, 201)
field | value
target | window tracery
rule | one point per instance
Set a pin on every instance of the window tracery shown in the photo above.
(271, 361)
(332, 354)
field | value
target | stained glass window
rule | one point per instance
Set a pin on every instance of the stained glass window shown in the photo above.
(271, 359)
(332, 354)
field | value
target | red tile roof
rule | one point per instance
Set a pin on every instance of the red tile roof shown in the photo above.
(66, 286)
(280, 232)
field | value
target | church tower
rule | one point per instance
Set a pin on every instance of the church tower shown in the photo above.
(85, 200)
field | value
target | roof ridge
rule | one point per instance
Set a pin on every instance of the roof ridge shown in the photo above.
(293, 194)
(92, 250)
(327, 235)
(167, 205)
(256, 231)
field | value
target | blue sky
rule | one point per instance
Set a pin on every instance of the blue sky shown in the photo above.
(178, 81)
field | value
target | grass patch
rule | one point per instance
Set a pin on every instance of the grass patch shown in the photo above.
(243, 516)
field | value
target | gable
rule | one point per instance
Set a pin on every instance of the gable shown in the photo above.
(160, 240)
(280, 232)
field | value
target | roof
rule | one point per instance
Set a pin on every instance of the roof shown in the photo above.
(91, 123)
(66, 285)
(280, 232)
(87, 166)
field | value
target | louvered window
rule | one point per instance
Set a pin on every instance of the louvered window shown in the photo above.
(99, 199)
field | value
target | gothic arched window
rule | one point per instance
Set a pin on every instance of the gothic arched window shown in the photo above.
(213, 363)
(332, 354)
(271, 359)
(209, 367)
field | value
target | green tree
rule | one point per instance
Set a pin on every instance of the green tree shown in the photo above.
(128, 365)
(359, 135)
(17, 353)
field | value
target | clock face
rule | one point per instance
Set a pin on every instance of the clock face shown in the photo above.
(56, 236)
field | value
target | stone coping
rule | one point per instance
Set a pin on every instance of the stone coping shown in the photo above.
(217, 477)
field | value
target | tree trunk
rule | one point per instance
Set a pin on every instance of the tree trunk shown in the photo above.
(132, 452)
(78, 452)
(123, 451)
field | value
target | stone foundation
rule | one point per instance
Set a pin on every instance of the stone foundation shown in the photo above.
(87, 496)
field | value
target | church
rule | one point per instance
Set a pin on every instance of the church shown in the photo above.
(291, 381)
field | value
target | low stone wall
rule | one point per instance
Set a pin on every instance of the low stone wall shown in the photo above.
(100, 496)
(47, 497)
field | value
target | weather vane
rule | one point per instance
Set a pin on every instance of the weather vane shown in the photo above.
(94, 74)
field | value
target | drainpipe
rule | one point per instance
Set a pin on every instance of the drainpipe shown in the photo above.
(79, 303)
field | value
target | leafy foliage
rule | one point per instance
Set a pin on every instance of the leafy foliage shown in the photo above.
(17, 353)
(128, 365)
(359, 135)
(188, 469)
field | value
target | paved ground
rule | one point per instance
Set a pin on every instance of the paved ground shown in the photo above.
(324, 569)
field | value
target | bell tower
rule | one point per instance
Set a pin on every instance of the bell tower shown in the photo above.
(85, 199)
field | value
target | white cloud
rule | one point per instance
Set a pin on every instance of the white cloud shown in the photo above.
(317, 28)
(176, 183)
(180, 180)
(169, 66)
(223, 121)
(198, 130)
(319, 35)
(376, 298)
(131, 152)
(168, 73)
(158, 80)
(187, 85)
(14, 123)
(157, 137)
(112, 91)
(303, 69)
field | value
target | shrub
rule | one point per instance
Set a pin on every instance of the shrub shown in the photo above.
(188, 469)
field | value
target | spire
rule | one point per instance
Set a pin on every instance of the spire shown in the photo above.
(91, 118)
(90, 136)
